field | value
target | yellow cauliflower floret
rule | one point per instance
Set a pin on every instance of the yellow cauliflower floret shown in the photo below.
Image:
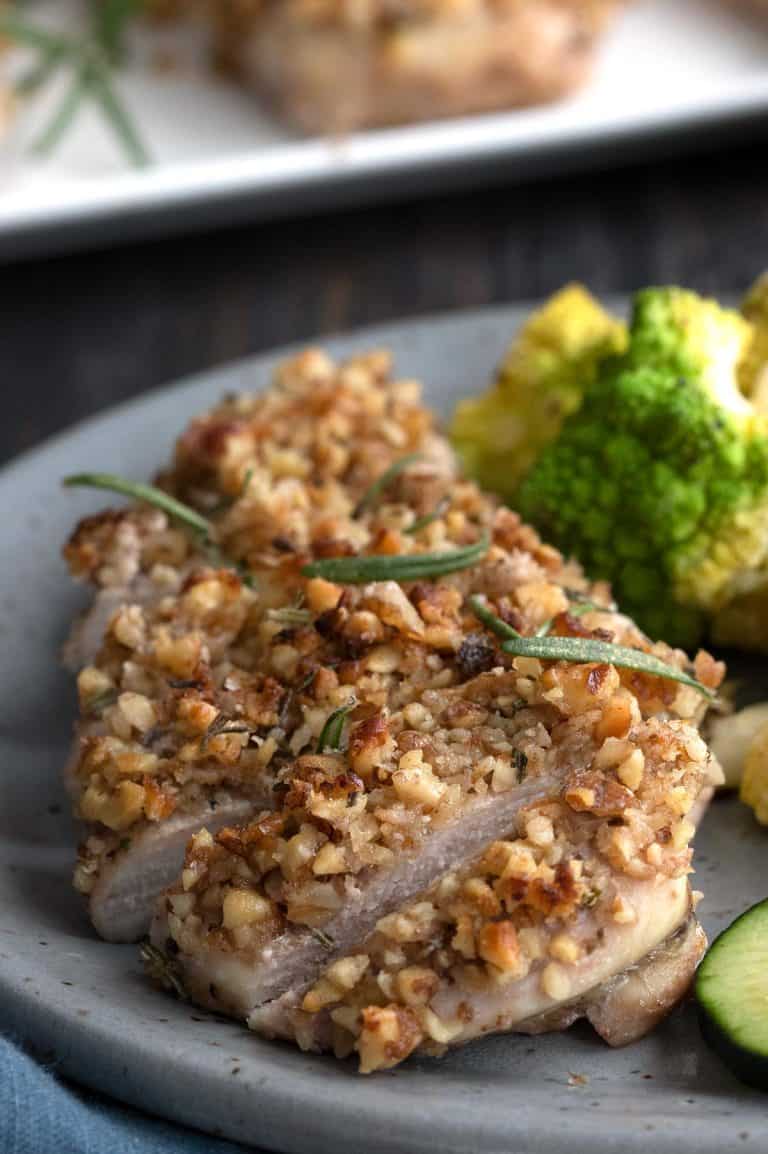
(754, 784)
(540, 382)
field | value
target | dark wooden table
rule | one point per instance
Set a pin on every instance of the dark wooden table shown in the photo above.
(80, 332)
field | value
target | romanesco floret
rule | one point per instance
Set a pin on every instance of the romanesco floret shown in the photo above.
(541, 380)
(659, 482)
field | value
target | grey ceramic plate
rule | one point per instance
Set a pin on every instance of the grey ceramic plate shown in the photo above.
(87, 1003)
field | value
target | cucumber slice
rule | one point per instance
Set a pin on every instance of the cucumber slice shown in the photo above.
(732, 995)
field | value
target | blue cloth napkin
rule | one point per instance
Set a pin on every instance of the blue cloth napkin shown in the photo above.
(41, 1114)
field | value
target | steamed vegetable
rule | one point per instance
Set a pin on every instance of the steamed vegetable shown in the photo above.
(743, 619)
(540, 382)
(732, 995)
(730, 738)
(754, 783)
(659, 482)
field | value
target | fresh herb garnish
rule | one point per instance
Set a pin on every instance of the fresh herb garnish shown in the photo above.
(150, 494)
(97, 705)
(305, 682)
(404, 567)
(426, 519)
(200, 526)
(371, 496)
(222, 725)
(162, 969)
(90, 59)
(333, 730)
(582, 649)
(289, 616)
(323, 938)
(576, 610)
(246, 482)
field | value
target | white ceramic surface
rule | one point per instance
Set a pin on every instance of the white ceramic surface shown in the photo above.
(87, 1003)
(669, 68)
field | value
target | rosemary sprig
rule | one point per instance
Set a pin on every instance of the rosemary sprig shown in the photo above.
(581, 649)
(91, 59)
(162, 969)
(371, 496)
(426, 519)
(200, 526)
(404, 567)
(333, 730)
(150, 494)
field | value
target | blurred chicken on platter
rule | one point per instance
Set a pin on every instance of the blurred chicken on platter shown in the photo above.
(338, 65)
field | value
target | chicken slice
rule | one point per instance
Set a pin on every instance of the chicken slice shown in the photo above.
(505, 944)
(583, 882)
(603, 972)
(408, 61)
(123, 878)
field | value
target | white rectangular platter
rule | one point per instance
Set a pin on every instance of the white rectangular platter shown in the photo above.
(671, 72)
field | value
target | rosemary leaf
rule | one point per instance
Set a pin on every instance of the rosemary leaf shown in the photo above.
(323, 938)
(150, 494)
(100, 82)
(102, 701)
(583, 649)
(64, 115)
(223, 724)
(89, 56)
(162, 969)
(111, 19)
(14, 27)
(576, 610)
(246, 482)
(490, 620)
(404, 567)
(289, 616)
(371, 496)
(40, 72)
(422, 522)
(332, 732)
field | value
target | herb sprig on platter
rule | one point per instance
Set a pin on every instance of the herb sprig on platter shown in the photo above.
(90, 61)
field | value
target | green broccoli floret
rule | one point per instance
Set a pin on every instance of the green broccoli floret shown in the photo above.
(540, 381)
(659, 482)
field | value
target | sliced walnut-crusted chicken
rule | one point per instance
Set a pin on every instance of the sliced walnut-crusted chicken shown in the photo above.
(213, 693)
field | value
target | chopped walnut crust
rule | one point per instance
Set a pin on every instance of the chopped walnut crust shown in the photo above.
(626, 797)
(536, 907)
(205, 684)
